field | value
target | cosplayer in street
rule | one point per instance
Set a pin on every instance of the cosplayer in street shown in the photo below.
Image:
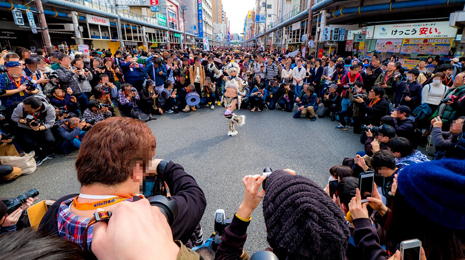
(231, 99)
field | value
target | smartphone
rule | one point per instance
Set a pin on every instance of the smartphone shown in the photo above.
(410, 249)
(333, 187)
(366, 185)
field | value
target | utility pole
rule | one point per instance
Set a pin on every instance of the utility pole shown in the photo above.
(118, 26)
(74, 17)
(43, 24)
(266, 18)
(183, 8)
(310, 26)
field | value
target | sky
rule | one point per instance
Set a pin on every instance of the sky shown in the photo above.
(236, 10)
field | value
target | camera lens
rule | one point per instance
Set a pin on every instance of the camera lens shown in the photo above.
(169, 208)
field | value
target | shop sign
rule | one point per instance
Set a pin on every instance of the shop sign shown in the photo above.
(335, 34)
(18, 17)
(206, 45)
(326, 34)
(161, 19)
(83, 48)
(390, 46)
(427, 46)
(359, 38)
(342, 34)
(415, 30)
(177, 35)
(349, 45)
(296, 26)
(32, 22)
(92, 19)
(154, 8)
(200, 17)
(410, 64)
(8, 35)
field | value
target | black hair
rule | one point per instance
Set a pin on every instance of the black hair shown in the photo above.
(359, 84)
(346, 189)
(414, 72)
(33, 102)
(31, 60)
(348, 61)
(261, 86)
(75, 61)
(30, 244)
(196, 58)
(341, 171)
(103, 75)
(388, 120)
(354, 67)
(168, 83)
(379, 91)
(383, 158)
(401, 145)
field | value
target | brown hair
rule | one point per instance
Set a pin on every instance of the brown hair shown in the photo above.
(341, 171)
(110, 150)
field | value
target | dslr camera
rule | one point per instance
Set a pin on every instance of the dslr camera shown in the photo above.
(30, 119)
(358, 96)
(373, 129)
(349, 86)
(14, 203)
(30, 86)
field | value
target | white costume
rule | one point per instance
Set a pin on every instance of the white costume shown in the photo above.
(228, 101)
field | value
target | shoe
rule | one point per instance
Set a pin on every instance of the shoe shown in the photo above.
(253, 109)
(259, 110)
(212, 107)
(170, 111)
(186, 109)
(312, 119)
(219, 103)
(232, 133)
(197, 106)
(350, 126)
(40, 161)
(340, 127)
(194, 108)
(51, 156)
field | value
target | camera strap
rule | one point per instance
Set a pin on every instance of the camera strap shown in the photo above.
(101, 216)
(104, 202)
(18, 84)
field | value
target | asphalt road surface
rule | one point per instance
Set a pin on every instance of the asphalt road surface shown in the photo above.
(199, 142)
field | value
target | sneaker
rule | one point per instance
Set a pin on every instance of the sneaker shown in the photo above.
(219, 103)
(212, 107)
(253, 109)
(313, 119)
(40, 161)
(169, 111)
(51, 156)
(350, 126)
(340, 126)
(194, 108)
(186, 109)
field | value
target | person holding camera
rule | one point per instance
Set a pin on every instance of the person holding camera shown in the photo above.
(158, 73)
(453, 105)
(149, 102)
(133, 72)
(127, 99)
(72, 132)
(14, 87)
(132, 166)
(61, 98)
(284, 97)
(18, 219)
(308, 104)
(35, 118)
(331, 103)
(378, 138)
(83, 88)
(96, 112)
(409, 92)
(33, 72)
(258, 98)
(448, 144)
(298, 235)
(376, 108)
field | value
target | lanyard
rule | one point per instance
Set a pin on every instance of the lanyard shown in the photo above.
(446, 80)
(18, 84)
(372, 103)
(105, 202)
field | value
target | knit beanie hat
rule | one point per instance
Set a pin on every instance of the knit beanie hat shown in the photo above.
(302, 219)
(436, 190)
(3, 209)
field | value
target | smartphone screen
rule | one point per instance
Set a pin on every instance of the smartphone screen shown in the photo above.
(366, 186)
(332, 187)
(411, 253)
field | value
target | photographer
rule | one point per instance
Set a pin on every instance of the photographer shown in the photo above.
(14, 87)
(66, 72)
(358, 114)
(404, 123)
(380, 141)
(331, 103)
(127, 98)
(286, 193)
(308, 105)
(33, 72)
(453, 106)
(83, 77)
(448, 144)
(404, 153)
(17, 219)
(284, 97)
(377, 108)
(72, 131)
(149, 103)
(258, 97)
(35, 118)
(409, 92)
(107, 88)
(133, 72)
(387, 80)
(157, 72)
(131, 164)
(60, 98)
(96, 112)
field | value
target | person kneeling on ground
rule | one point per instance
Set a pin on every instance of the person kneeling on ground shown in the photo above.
(72, 131)
(127, 97)
(96, 112)
(308, 105)
(258, 97)
(117, 169)
(449, 144)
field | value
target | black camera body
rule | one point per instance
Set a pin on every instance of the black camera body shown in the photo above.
(169, 208)
(63, 111)
(373, 129)
(349, 86)
(358, 96)
(221, 222)
(30, 86)
(29, 118)
(14, 203)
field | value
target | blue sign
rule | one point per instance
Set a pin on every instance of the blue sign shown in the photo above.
(155, 8)
(342, 34)
(257, 18)
(32, 23)
(200, 16)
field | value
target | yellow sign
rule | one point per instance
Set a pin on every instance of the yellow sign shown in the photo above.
(361, 45)
(410, 64)
(154, 45)
(249, 15)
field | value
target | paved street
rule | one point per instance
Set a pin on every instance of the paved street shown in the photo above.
(198, 141)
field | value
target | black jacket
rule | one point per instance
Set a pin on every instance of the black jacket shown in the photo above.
(405, 128)
(375, 112)
(184, 190)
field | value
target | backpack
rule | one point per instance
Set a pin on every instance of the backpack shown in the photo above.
(422, 112)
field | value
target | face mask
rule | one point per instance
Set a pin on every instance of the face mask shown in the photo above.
(409, 77)
(436, 81)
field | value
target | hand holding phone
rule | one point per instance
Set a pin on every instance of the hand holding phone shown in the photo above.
(411, 249)
(366, 185)
(333, 187)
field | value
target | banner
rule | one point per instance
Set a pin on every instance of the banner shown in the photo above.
(410, 64)
(349, 45)
(427, 46)
(390, 46)
(206, 44)
(415, 30)
(200, 17)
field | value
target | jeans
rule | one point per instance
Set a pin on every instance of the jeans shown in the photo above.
(126, 109)
(206, 100)
(298, 89)
(41, 142)
(83, 101)
(282, 102)
(170, 104)
(73, 145)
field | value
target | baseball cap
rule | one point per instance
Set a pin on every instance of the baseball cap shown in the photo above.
(387, 130)
(403, 109)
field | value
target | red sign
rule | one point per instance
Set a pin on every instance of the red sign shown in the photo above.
(320, 53)
(153, 2)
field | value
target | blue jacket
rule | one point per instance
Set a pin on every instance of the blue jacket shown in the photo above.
(153, 73)
(134, 75)
(254, 90)
(310, 101)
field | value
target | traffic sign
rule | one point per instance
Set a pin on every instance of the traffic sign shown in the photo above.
(155, 8)
(18, 16)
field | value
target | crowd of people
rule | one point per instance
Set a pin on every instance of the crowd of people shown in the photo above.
(62, 103)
